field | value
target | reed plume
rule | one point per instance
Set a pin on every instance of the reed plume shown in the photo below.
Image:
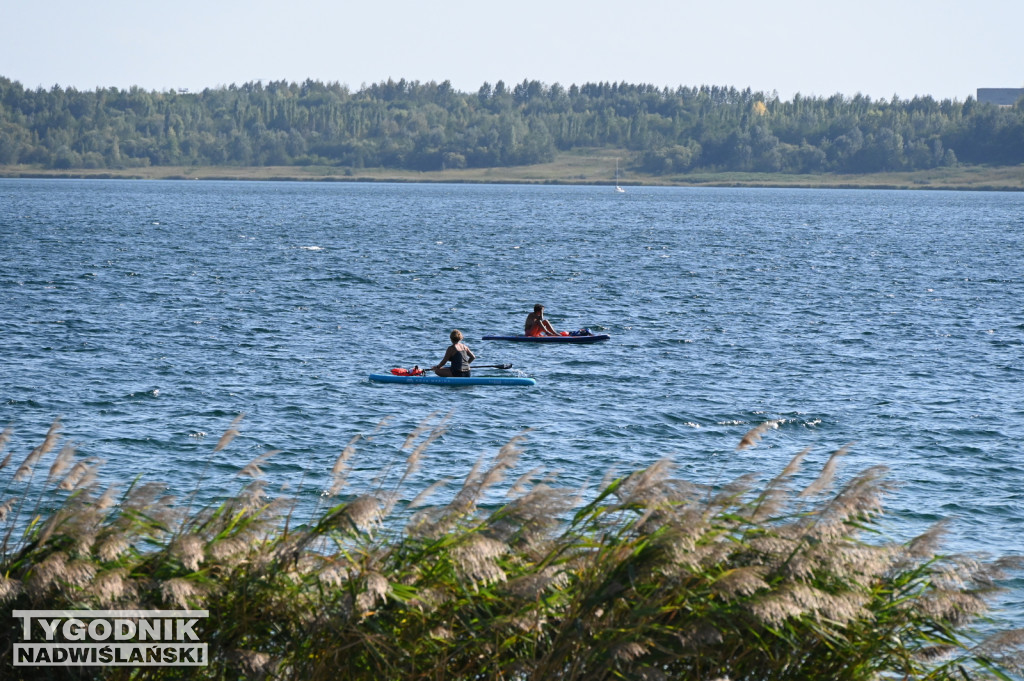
(5, 437)
(48, 443)
(753, 436)
(230, 434)
(252, 469)
(824, 479)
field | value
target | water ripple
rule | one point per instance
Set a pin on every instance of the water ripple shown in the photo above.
(149, 314)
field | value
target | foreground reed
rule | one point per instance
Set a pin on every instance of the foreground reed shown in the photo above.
(650, 577)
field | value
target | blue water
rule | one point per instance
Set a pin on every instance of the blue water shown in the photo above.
(147, 315)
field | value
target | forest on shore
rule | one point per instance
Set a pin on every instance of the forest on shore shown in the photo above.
(411, 125)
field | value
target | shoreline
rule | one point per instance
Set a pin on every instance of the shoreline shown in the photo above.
(569, 169)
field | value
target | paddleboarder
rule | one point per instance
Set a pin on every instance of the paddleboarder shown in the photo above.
(536, 325)
(459, 354)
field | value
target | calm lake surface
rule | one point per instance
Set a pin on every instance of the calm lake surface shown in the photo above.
(147, 315)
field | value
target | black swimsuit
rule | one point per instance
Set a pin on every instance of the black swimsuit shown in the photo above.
(460, 363)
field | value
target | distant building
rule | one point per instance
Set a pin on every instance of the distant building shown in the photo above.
(1004, 96)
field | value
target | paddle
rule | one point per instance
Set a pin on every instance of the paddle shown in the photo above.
(492, 366)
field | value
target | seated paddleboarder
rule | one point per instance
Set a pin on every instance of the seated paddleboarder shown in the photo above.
(536, 325)
(459, 354)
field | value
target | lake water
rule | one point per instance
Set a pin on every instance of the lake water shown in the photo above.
(147, 315)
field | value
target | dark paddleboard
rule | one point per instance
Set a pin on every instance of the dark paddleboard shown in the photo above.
(551, 339)
(452, 380)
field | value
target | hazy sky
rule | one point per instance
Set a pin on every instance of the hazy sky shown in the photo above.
(942, 48)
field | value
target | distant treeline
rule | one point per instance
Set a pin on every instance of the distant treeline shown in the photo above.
(431, 126)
